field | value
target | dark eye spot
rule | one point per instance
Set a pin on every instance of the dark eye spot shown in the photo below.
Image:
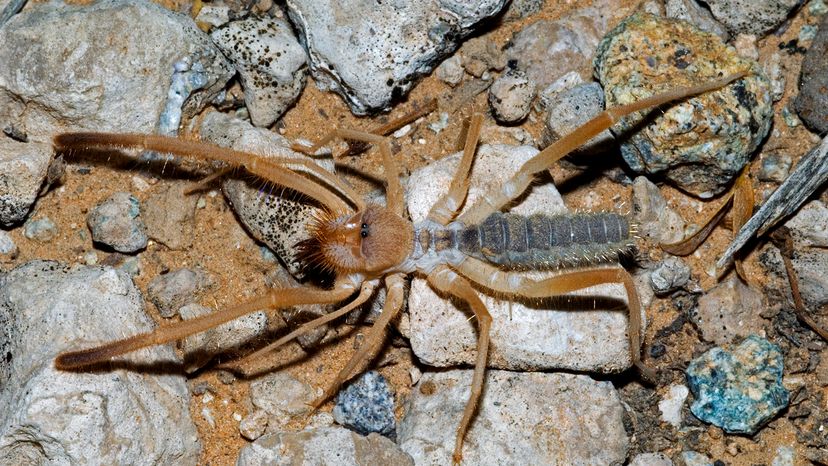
(364, 226)
(363, 233)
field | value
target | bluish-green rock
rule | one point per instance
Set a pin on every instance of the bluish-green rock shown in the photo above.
(738, 390)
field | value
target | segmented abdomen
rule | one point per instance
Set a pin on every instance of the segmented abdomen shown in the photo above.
(545, 241)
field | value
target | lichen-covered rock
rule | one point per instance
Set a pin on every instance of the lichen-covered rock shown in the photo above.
(812, 102)
(366, 405)
(703, 142)
(751, 17)
(116, 222)
(270, 61)
(523, 418)
(114, 415)
(373, 53)
(738, 390)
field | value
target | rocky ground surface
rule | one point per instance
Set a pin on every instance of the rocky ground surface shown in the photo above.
(98, 246)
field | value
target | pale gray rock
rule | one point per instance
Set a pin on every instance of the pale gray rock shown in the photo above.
(671, 404)
(571, 108)
(694, 458)
(41, 229)
(451, 70)
(523, 337)
(7, 246)
(270, 61)
(728, 312)
(323, 446)
(283, 397)
(23, 168)
(651, 459)
(482, 54)
(372, 54)
(110, 416)
(523, 418)
(116, 222)
(809, 227)
(669, 275)
(656, 220)
(692, 12)
(171, 291)
(100, 67)
(751, 17)
(511, 96)
(811, 266)
(253, 425)
(169, 215)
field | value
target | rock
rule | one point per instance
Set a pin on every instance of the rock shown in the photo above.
(511, 97)
(669, 275)
(522, 337)
(109, 416)
(282, 396)
(784, 456)
(729, 311)
(226, 338)
(811, 266)
(738, 390)
(651, 459)
(278, 221)
(656, 220)
(40, 229)
(751, 17)
(101, 67)
(366, 406)
(812, 102)
(213, 15)
(481, 54)
(548, 50)
(775, 70)
(23, 168)
(451, 70)
(171, 291)
(7, 246)
(571, 108)
(326, 445)
(116, 222)
(746, 46)
(520, 9)
(253, 425)
(774, 167)
(702, 143)
(562, 418)
(697, 15)
(694, 458)
(809, 227)
(270, 61)
(389, 45)
(672, 404)
(169, 214)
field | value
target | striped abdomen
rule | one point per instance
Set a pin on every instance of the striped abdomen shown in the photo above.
(547, 241)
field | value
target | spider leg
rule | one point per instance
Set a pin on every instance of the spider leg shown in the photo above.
(446, 208)
(447, 281)
(393, 304)
(498, 197)
(273, 299)
(365, 292)
(511, 283)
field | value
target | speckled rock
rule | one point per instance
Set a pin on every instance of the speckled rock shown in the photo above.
(283, 397)
(811, 266)
(812, 102)
(562, 418)
(656, 220)
(511, 96)
(169, 215)
(751, 17)
(253, 425)
(651, 459)
(738, 390)
(7, 246)
(729, 311)
(270, 61)
(171, 291)
(366, 405)
(389, 45)
(41, 229)
(519, 9)
(522, 336)
(278, 221)
(774, 167)
(451, 70)
(692, 12)
(23, 168)
(669, 275)
(100, 67)
(701, 143)
(571, 108)
(323, 446)
(809, 227)
(116, 222)
(110, 416)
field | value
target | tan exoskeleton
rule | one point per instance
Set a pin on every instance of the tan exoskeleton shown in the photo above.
(363, 244)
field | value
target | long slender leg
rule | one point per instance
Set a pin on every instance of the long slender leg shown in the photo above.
(444, 210)
(393, 303)
(393, 189)
(499, 197)
(273, 169)
(365, 292)
(511, 283)
(448, 281)
(272, 300)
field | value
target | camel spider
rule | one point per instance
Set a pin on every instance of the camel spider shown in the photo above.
(363, 243)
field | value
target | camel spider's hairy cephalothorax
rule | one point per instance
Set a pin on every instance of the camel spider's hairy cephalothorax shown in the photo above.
(363, 244)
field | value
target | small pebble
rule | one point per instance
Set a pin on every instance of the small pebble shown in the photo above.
(253, 425)
(511, 96)
(651, 459)
(751, 17)
(282, 396)
(451, 70)
(746, 46)
(170, 291)
(728, 311)
(790, 117)
(367, 405)
(669, 275)
(90, 258)
(116, 222)
(812, 102)
(807, 33)
(656, 219)
(440, 124)
(694, 458)
(7, 246)
(774, 167)
(672, 404)
(571, 108)
(817, 7)
(42, 229)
